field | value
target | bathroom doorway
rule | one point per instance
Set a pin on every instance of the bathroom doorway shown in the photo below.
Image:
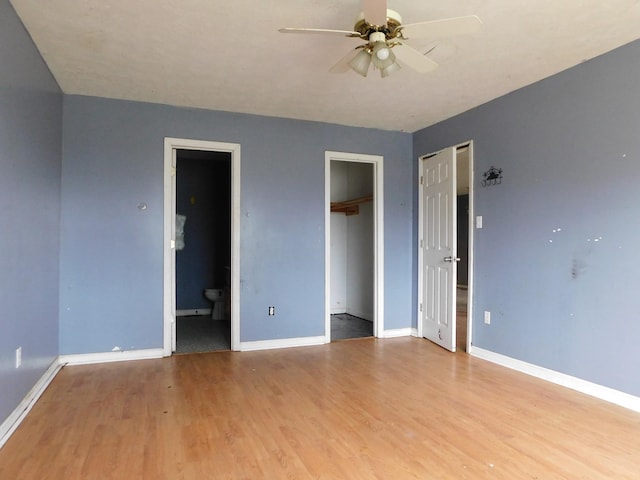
(201, 246)
(203, 251)
(354, 246)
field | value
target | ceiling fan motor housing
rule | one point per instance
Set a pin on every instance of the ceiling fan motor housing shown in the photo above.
(391, 30)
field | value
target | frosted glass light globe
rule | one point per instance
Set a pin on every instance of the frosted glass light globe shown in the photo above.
(382, 53)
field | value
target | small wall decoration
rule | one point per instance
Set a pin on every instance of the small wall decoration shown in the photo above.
(493, 176)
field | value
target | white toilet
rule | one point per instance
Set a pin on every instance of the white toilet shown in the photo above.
(216, 297)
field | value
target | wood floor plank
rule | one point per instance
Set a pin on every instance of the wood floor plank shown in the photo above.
(366, 409)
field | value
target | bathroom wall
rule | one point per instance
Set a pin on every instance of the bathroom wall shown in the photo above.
(30, 164)
(556, 260)
(203, 195)
(111, 252)
(462, 209)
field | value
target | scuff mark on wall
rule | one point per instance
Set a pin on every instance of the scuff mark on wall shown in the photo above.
(578, 267)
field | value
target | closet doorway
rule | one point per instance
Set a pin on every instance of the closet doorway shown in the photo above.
(354, 246)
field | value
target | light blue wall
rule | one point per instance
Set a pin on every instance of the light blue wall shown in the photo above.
(111, 252)
(569, 149)
(30, 163)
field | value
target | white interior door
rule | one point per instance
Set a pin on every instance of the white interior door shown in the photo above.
(438, 244)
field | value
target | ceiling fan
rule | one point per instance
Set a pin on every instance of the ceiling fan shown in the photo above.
(385, 37)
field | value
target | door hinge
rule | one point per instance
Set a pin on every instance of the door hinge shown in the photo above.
(172, 244)
(420, 307)
(421, 243)
(421, 180)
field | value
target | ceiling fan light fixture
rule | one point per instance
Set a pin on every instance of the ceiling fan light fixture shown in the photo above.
(386, 59)
(394, 67)
(360, 63)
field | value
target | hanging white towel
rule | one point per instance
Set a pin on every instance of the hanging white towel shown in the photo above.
(180, 221)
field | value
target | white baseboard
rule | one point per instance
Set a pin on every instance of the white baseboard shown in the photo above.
(282, 343)
(603, 393)
(398, 332)
(193, 311)
(105, 357)
(14, 420)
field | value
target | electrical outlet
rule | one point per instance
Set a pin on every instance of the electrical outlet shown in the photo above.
(487, 317)
(272, 311)
(18, 357)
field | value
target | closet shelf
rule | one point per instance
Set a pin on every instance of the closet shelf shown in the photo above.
(350, 207)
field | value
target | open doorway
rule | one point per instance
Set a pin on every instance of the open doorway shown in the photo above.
(351, 250)
(354, 246)
(200, 271)
(445, 277)
(203, 251)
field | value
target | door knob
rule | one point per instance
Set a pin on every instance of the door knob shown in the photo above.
(451, 259)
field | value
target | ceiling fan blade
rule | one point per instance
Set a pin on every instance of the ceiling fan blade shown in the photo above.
(443, 28)
(347, 33)
(375, 11)
(342, 65)
(414, 59)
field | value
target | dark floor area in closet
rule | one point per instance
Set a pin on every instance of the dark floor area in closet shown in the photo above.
(344, 326)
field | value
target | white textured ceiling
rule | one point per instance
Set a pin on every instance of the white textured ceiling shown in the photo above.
(229, 55)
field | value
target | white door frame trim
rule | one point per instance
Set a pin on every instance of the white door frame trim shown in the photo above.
(378, 227)
(470, 247)
(169, 284)
(469, 145)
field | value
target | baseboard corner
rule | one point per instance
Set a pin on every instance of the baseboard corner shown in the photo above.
(398, 332)
(16, 417)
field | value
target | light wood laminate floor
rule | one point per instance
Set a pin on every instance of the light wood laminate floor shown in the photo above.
(366, 409)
